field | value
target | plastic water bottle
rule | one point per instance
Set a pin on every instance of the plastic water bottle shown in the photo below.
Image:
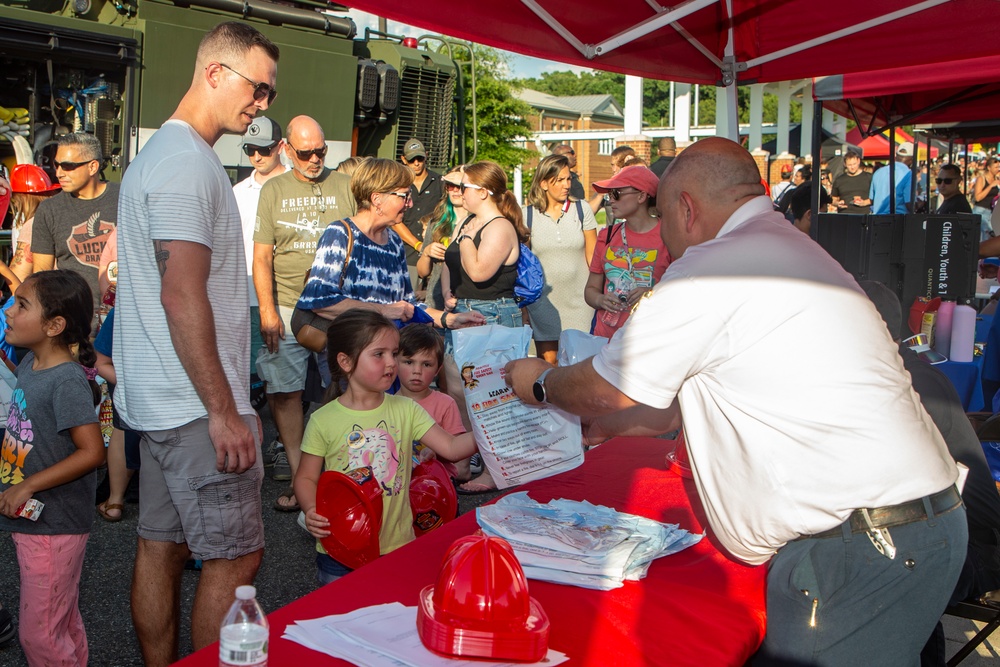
(244, 635)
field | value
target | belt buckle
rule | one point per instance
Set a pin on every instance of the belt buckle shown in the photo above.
(880, 537)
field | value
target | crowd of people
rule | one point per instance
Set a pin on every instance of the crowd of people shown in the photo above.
(850, 185)
(343, 287)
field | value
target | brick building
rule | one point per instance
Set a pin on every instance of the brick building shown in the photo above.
(574, 116)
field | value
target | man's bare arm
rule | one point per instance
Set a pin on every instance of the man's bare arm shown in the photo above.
(43, 262)
(184, 269)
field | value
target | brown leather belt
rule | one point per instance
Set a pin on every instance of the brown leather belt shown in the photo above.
(897, 515)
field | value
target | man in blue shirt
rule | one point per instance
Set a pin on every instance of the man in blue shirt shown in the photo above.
(879, 193)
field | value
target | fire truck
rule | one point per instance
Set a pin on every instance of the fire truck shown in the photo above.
(118, 68)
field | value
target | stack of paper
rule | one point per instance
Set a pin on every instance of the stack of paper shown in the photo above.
(579, 543)
(382, 636)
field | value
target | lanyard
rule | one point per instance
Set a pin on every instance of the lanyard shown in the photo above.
(628, 252)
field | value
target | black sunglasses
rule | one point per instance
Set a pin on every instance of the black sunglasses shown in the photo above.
(70, 166)
(306, 155)
(260, 90)
(616, 193)
(263, 150)
(946, 181)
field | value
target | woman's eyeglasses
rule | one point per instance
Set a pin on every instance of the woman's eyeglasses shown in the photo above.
(946, 181)
(466, 186)
(307, 155)
(448, 185)
(405, 196)
(616, 193)
(260, 90)
(263, 150)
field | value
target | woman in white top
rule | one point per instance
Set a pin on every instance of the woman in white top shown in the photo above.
(563, 237)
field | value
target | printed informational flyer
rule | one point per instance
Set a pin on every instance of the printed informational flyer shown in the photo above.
(519, 443)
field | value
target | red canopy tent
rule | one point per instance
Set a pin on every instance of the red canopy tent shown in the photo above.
(876, 146)
(718, 42)
(952, 90)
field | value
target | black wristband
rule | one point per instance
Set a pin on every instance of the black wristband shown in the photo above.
(444, 319)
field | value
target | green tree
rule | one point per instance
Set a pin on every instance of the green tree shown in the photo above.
(501, 117)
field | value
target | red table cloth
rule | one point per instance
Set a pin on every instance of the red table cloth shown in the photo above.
(697, 607)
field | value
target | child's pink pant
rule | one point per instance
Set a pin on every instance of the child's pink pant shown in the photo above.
(50, 626)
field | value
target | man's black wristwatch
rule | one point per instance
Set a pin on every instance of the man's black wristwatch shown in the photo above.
(538, 389)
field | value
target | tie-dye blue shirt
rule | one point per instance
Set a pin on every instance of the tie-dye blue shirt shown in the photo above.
(375, 273)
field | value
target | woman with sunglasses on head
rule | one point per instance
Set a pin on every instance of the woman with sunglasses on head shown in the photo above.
(630, 257)
(438, 227)
(563, 236)
(480, 269)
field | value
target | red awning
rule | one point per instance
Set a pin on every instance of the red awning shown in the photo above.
(773, 40)
(876, 146)
(952, 90)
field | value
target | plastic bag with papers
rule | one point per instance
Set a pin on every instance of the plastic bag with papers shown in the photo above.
(519, 443)
(579, 543)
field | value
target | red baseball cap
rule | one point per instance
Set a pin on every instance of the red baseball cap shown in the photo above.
(639, 177)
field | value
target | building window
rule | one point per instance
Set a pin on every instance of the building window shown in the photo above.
(605, 146)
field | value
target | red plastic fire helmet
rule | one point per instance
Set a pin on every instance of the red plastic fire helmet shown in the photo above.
(353, 504)
(480, 607)
(32, 179)
(433, 500)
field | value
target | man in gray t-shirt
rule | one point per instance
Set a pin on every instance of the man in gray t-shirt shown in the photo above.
(182, 340)
(71, 228)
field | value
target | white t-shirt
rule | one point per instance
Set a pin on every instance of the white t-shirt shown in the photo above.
(796, 406)
(247, 194)
(176, 189)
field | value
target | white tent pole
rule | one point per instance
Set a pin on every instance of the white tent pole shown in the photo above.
(731, 129)
(556, 26)
(642, 29)
(865, 25)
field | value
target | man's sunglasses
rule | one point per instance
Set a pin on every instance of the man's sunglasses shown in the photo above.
(307, 155)
(946, 181)
(616, 193)
(263, 150)
(472, 186)
(260, 90)
(70, 166)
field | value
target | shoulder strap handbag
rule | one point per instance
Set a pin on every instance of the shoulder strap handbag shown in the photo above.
(309, 328)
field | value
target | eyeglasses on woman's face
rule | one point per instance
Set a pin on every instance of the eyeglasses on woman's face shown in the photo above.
(405, 196)
(473, 186)
(448, 185)
(616, 193)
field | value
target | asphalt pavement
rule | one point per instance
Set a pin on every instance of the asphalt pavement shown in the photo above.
(288, 572)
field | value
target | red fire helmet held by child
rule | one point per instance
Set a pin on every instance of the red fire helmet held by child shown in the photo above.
(352, 502)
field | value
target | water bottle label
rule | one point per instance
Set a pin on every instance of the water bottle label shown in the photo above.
(245, 652)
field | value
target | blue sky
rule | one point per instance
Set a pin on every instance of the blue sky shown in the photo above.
(522, 67)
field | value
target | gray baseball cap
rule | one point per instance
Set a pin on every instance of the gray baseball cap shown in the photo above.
(262, 132)
(413, 148)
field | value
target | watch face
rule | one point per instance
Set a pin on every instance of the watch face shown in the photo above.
(538, 389)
